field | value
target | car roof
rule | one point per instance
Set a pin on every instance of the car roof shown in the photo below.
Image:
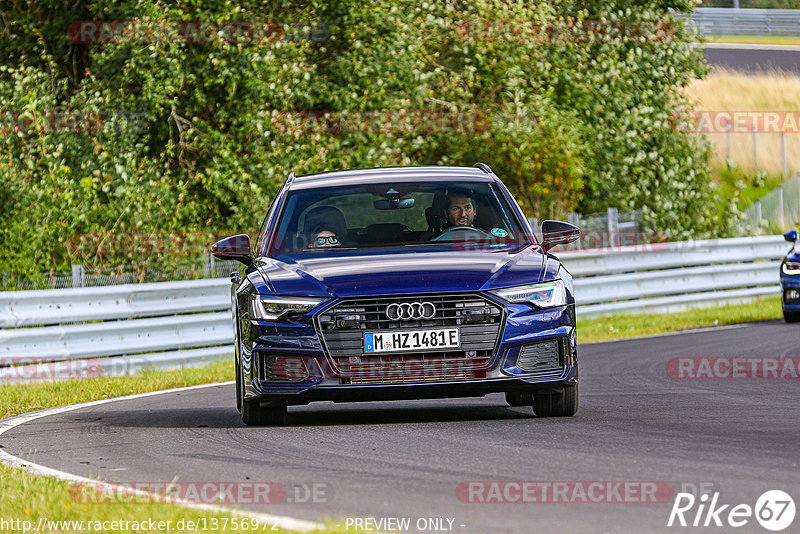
(392, 174)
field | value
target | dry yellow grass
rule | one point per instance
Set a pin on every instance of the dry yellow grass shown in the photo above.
(725, 90)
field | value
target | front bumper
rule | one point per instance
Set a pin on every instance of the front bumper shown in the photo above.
(414, 391)
(790, 292)
(319, 380)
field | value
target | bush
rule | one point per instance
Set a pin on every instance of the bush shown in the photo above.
(194, 137)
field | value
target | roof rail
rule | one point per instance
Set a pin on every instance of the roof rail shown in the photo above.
(290, 179)
(484, 167)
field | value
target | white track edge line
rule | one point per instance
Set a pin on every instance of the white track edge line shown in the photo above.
(288, 523)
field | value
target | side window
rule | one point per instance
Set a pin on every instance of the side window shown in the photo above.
(263, 236)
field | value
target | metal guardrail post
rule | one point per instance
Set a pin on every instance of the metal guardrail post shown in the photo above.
(613, 228)
(758, 214)
(78, 276)
(572, 218)
(783, 151)
(728, 138)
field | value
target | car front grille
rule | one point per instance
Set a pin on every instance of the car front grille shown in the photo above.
(478, 319)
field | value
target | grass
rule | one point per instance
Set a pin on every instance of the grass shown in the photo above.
(746, 186)
(755, 39)
(631, 325)
(21, 398)
(726, 90)
(27, 497)
(743, 187)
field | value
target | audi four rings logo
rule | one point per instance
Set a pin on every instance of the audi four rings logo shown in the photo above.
(409, 311)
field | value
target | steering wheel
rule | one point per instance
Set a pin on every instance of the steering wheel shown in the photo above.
(448, 232)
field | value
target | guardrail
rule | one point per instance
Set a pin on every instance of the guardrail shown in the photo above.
(722, 21)
(674, 276)
(113, 330)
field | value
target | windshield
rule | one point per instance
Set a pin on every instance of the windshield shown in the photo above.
(330, 220)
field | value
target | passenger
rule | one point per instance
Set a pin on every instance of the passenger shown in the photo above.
(325, 227)
(324, 237)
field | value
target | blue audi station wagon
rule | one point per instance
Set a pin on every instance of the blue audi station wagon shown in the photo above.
(790, 279)
(401, 283)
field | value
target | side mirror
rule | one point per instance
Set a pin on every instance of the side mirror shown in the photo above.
(790, 236)
(233, 248)
(558, 233)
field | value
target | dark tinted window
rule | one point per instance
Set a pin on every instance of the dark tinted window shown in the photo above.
(329, 219)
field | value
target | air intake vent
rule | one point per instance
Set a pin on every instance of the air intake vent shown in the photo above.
(544, 356)
(277, 368)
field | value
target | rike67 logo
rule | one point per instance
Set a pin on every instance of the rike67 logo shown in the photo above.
(774, 510)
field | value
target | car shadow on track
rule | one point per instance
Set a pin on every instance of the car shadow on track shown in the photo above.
(320, 415)
(340, 416)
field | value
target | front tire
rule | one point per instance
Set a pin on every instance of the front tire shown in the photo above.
(519, 398)
(255, 415)
(252, 413)
(563, 404)
(791, 316)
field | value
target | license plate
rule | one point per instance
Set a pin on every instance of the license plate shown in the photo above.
(443, 338)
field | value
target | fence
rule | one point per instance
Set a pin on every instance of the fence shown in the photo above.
(604, 230)
(770, 154)
(122, 329)
(205, 267)
(722, 21)
(776, 211)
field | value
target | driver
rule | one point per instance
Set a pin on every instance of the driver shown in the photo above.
(459, 209)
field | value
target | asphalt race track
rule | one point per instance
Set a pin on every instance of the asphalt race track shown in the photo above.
(738, 437)
(753, 58)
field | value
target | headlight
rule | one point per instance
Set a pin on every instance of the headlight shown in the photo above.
(273, 308)
(791, 267)
(544, 295)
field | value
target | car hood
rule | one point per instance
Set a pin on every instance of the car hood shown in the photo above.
(408, 272)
